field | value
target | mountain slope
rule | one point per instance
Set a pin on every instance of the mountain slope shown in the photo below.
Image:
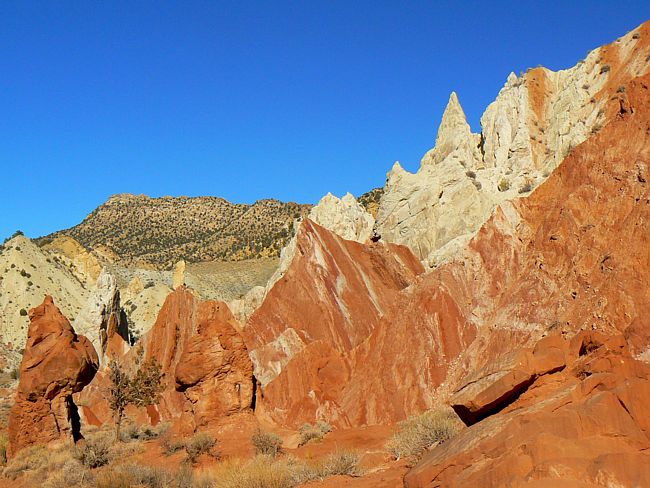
(161, 231)
(27, 274)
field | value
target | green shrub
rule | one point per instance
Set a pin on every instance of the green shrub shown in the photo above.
(314, 432)
(504, 185)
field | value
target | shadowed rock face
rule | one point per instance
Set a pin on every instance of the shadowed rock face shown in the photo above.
(56, 363)
(583, 425)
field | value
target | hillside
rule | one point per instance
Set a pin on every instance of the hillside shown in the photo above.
(161, 231)
(27, 274)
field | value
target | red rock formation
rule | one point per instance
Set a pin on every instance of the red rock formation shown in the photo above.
(207, 373)
(329, 301)
(56, 364)
(585, 425)
(572, 256)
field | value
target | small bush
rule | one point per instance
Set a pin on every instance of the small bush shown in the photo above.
(170, 446)
(314, 432)
(420, 432)
(23, 312)
(94, 451)
(621, 89)
(636, 35)
(605, 69)
(341, 463)
(470, 174)
(201, 443)
(266, 443)
(15, 374)
(4, 442)
(29, 459)
(143, 433)
(528, 187)
(504, 185)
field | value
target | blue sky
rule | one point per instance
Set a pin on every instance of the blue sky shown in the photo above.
(249, 100)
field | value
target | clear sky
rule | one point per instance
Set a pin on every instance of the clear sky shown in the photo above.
(249, 100)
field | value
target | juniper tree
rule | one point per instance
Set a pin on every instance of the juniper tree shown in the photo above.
(142, 388)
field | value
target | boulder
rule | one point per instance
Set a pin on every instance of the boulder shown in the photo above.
(56, 363)
(584, 425)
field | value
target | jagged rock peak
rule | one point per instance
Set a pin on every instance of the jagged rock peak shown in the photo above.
(343, 216)
(102, 315)
(454, 137)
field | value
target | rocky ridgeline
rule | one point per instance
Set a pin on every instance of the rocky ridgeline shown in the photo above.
(535, 121)
(142, 231)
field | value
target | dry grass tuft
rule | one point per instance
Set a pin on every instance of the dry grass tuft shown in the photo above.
(420, 432)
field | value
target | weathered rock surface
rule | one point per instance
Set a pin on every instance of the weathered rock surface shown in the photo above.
(27, 274)
(338, 290)
(102, 316)
(570, 257)
(178, 277)
(56, 363)
(585, 425)
(343, 216)
(86, 266)
(207, 373)
(527, 131)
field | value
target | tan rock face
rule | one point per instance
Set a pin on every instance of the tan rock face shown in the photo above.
(178, 278)
(56, 364)
(526, 132)
(584, 425)
(85, 265)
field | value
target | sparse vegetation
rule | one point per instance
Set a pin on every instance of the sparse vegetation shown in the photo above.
(162, 231)
(370, 200)
(420, 432)
(140, 389)
(526, 188)
(4, 442)
(314, 432)
(201, 443)
(94, 451)
(266, 443)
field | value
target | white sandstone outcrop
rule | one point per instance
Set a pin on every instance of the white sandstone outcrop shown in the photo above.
(343, 216)
(101, 313)
(535, 121)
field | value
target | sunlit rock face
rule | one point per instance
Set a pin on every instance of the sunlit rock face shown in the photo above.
(535, 121)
